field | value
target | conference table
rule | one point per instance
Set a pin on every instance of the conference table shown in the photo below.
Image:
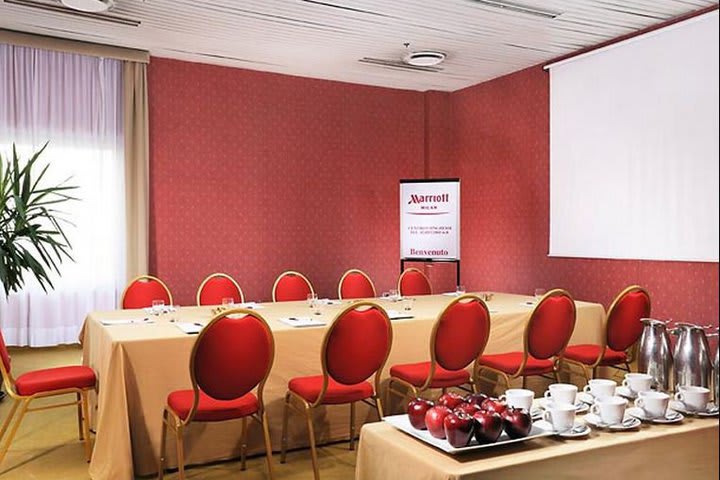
(138, 364)
(688, 450)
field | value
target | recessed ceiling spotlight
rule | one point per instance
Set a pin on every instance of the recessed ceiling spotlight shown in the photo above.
(94, 6)
(424, 58)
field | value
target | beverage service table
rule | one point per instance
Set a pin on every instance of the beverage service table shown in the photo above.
(139, 364)
(688, 450)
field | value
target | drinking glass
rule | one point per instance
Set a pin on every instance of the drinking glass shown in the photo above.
(407, 303)
(228, 302)
(394, 295)
(158, 306)
(539, 292)
(460, 289)
(312, 300)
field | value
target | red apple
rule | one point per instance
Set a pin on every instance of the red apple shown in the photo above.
(517, 422)
(488, 426)
(467, 408)
(416, 410)
(434, 420)
(494, 405)
(450, 400)
(458, 429)
(475, 398)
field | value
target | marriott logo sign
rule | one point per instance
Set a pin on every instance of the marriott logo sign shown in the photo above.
(444, 198)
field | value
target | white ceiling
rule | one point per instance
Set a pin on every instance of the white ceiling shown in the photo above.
(326, 38)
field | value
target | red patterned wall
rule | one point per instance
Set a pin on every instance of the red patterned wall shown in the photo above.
(501, 139)
(254, 173)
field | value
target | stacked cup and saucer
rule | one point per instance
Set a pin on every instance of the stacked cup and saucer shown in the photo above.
(560, 404)
(652, 406)
(694, 400)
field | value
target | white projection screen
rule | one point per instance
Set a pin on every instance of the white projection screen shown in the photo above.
(634, 148)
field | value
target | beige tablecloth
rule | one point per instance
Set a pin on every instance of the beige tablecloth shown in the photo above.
(685, 451)
(138, 365)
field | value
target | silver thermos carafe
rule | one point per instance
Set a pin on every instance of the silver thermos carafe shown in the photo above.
(654, 354)
(691, 359)
(716, 371)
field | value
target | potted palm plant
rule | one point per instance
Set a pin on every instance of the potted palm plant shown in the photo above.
(32, 240)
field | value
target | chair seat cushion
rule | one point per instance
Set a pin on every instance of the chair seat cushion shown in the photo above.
(58, 378)
(417, 373)
(509, 363)
(588, 355)
(210, 409)
(337, 393)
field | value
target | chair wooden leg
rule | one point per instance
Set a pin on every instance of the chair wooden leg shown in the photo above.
(9, 418)
(352, 426)
(179, 445)
(379, 407)
(80, 415)
(594, 372)
(556, 374)
(283, 439)
(243, 444)
(85, 420)
(311, 436)
(163, 441)
(627, 365)
(14, 429)
(524, 381)
(268, 445)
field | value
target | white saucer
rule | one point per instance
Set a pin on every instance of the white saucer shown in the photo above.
(624, 391)
(579, 430)
(711, 410)
(629, 422)
(671, 416)
(580, 407)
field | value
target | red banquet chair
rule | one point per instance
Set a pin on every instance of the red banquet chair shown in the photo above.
(547, 333)
(217, 286)
(458, 338)
(42, 384)
(231, 357)
(355, 284)
(291, 286)
(622, 331)
(414, 282)
(141, 292)
(355, 347)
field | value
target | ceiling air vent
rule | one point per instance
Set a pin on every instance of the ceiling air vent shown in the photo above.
(424, 58)
(89, 5)
(382, 62)
(91, 9)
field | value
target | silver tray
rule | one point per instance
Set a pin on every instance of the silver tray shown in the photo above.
(402, 423)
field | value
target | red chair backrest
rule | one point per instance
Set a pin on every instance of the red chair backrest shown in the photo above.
(143, 290)
(216, 287)
(414, 282)
(4, 354)
(623, 324)
(233, 354)
(291, 286)
(356, 284)
(461, 332)
(551, 325)
(357, 344)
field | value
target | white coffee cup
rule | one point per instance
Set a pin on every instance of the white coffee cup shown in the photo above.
(695, 399)
(562, 393)
(653, 404)
(561, 416)
(611, 410)
(638, 382)
(600, 387)
(519, 398)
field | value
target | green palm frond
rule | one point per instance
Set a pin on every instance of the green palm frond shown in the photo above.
(32, 239)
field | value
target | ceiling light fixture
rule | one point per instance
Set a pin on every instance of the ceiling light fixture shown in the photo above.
(424, 58)
(519, 8)
(94, 6)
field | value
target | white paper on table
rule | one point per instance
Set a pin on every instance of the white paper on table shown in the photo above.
(327, 301)
(189, 327)
(397, 315)
(127, 321)
(158, 310)
(451, 294)
(301, 322)
(250, 305)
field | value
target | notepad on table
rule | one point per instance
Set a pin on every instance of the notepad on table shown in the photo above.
(127, 321)
(397, 315)
(189, 327)
(302, 322)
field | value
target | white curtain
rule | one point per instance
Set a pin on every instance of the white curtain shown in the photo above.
(74, 102)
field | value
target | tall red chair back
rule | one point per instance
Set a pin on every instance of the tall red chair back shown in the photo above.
(232, 355)
(414, 282)
(4, 354)
(217, 286)
(623, 323)
(551, 325)
(291, 286)
(356, 284)
(461, 332)
(141, 292)
(357, 344)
